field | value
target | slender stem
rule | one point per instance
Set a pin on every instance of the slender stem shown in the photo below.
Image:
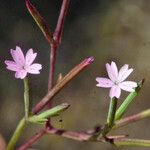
(26, 97)
(52, 66)
(54, 45)
(33, 139)
(16, 135)
(75, 71)
(60, 23)
(22, 123)
(111, 112)
(132, 142)
(131, 119)
(110, 118)
(88, 135)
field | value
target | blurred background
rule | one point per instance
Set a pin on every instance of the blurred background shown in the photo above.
(108, 30)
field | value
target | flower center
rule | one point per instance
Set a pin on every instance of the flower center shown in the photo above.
(116, 82)
(25, 67)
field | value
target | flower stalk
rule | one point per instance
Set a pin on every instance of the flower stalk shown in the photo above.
(110, 118)
(26, 97)
(112, 112)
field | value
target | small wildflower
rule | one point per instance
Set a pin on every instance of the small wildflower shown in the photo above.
(116, 80)
(23, 64)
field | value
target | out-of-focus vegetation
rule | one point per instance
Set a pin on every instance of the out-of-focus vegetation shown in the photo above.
(108, 30)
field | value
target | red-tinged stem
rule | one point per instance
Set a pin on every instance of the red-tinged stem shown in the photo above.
(33, 139)
(75, 71)
(60, 24)
(53, 51)
(54, 46)
(74, 135)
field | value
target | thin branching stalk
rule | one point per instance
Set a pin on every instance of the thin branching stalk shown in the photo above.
(32, 140)
(132, 119)
(57, 38)
(20, 128)
(88, 135)
(75, 71)
(132, 142)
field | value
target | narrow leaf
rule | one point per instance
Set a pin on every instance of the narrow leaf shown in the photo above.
(121, 110)
(40, 21)
(43, 117)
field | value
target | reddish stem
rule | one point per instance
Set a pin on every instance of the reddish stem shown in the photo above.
(60, 24)
(75, 71)
(52, 66)
(57, 37)
(74, 135)
(32, 140)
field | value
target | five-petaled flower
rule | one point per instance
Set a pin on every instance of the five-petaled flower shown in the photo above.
(116, 81)
(23, 65)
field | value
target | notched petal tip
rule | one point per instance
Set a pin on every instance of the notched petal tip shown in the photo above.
(18, 47)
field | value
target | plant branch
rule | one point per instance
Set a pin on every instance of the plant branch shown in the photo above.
(131, 119)
(32, 140)
(60, 24)
(132, 142)
(16, 135)
(53, 49)
(75, 71)
(89, 135)
(57, 37)
(110, 117)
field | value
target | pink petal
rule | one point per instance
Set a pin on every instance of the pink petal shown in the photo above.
(114, 69)
(115, 91)
(124, 73)
(18, 56)
(110, 72)
(11, 65)
(34, 68)
(128, 86)
(104, 82)
(30, 56)
(21, 74)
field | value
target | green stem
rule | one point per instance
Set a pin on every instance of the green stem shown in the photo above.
(110, 117)
(111, 112)
(26, 97)
(16, 134)
(132, 142)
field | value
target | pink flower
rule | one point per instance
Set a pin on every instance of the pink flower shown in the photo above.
(23, 64)
(116, 80)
